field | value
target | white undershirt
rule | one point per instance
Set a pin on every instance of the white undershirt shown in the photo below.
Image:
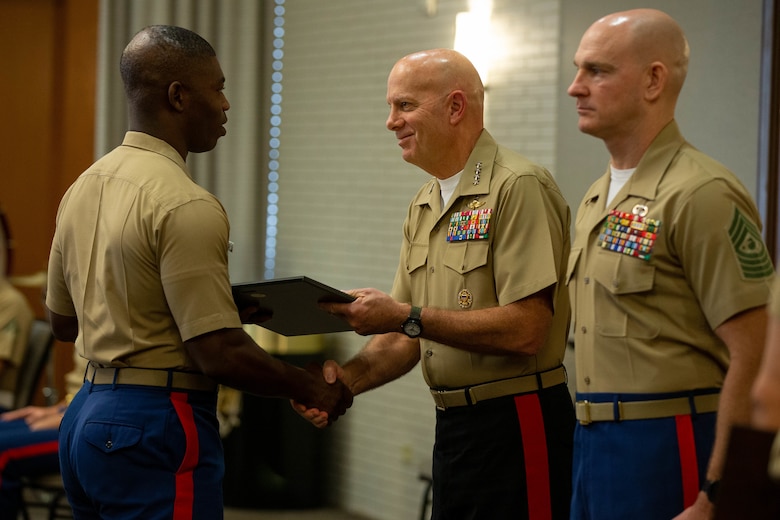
(617, 179)
(447, 188)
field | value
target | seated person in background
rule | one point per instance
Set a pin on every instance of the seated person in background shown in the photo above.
(15, 319)
(28, 442)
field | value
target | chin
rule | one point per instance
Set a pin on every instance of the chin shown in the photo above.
(587, 129)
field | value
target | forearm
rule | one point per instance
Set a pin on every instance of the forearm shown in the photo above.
(232, 358)
(766, 390)
(733, 409)
(508, 330)
(745, 336)
(520, 327)
(385, 358)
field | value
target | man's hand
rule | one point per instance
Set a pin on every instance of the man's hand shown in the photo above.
(37, 417)
(254, 315)
(702, 509)
(372, 312)
(331, 397)
(332, 374)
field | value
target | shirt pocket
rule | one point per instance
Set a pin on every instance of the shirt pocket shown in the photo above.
(416, 257)
(466, 256)
(624, 295)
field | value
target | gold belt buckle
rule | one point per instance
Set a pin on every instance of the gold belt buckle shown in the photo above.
(438, 399)
(586, 421)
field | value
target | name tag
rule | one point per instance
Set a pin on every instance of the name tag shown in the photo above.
(630, 234)
(469, 225)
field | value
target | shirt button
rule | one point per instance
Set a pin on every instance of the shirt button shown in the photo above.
(109, 445)
(587, 280)
(429, 353)
(615, 284)
(584, 329)
(587, 380)
(432, 269)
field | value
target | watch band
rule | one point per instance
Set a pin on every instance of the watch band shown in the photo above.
(710, 488)
(412, 327)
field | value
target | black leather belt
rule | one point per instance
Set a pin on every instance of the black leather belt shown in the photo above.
(516, 385)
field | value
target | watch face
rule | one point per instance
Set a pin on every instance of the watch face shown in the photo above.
(412, 329)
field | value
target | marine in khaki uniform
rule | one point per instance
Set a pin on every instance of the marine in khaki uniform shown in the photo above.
(138, 279)
(16, 317)
(479, 299)
(669, 278)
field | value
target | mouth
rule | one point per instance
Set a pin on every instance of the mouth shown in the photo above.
(583, 109)
(403, 139)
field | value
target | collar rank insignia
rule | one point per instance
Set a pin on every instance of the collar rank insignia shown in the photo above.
(477, 173)
(469, 225)
(630, 234)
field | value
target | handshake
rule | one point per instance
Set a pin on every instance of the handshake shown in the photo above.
(329, 395)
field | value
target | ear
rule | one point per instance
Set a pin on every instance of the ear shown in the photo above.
(457, 106)
(657, 77)
(176, 96)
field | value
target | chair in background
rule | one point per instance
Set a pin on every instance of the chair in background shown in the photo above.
(45, 491)
(36, 357)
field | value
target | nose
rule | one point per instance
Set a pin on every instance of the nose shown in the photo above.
(225, 103)
(576, 88)
(393, 121)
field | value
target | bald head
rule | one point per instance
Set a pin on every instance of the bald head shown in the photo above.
(652, 36)
(436, 104)
(440, 71)
(631, 66)
(155, 57)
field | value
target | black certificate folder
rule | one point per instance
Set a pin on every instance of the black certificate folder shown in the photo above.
(293, 302)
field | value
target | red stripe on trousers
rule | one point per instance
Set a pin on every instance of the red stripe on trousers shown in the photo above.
(537, 470)
(688, 463)
(185, 487)
(26, 452)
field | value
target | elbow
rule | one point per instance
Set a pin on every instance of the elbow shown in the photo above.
(533, 338)
(65, 334)
(530, 346)
(64, 328)
(765, 399)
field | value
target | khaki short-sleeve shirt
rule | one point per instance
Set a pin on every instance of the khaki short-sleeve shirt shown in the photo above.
(646, 324)
(521, 249)
(15, 319)
(139, 255)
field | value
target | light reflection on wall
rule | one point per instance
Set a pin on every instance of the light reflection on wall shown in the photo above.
(273, 149)
(474, 36)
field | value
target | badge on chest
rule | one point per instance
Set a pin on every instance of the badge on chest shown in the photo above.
(632, 234)
(472, 224)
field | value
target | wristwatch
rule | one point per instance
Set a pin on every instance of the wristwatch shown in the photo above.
(412, 327)
(710, 488)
